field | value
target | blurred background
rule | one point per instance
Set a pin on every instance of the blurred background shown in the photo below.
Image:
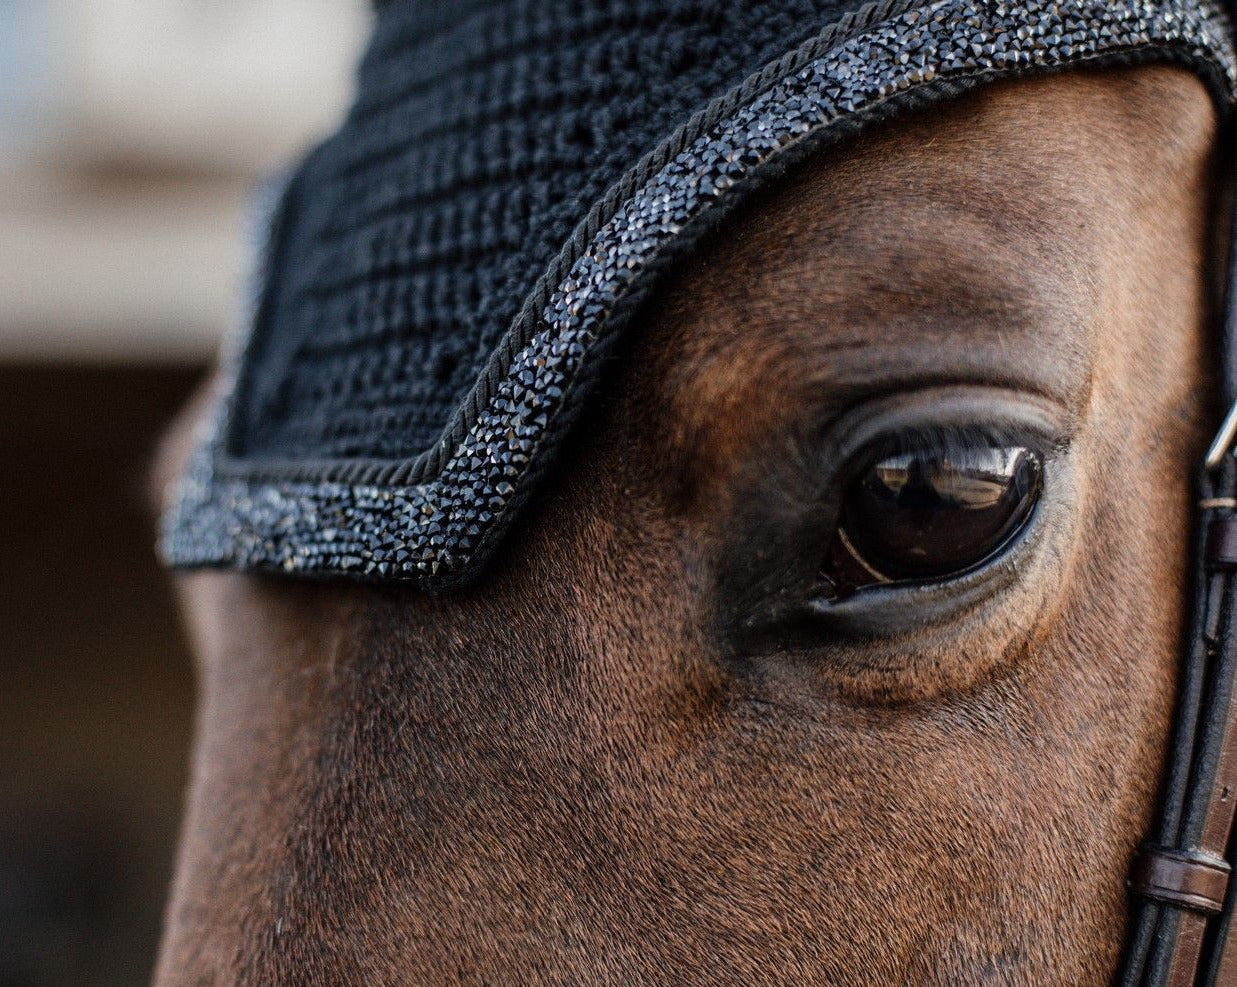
(131, 133)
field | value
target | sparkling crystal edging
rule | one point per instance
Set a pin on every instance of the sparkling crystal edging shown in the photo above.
(439, 532)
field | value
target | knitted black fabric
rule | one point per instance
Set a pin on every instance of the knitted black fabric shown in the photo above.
(481, 134)
(499, 149)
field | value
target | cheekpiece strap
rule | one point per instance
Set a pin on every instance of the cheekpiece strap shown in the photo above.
(1183, 932)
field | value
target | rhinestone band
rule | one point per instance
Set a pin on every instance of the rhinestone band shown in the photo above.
(438, 533)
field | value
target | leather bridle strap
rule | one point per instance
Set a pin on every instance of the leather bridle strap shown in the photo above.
(1184, 897)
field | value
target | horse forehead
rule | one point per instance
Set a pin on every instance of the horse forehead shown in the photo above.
(998, 237)
(1025, 185)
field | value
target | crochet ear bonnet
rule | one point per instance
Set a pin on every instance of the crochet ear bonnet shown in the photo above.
(437, 283)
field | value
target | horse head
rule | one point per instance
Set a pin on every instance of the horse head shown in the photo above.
(839, 643)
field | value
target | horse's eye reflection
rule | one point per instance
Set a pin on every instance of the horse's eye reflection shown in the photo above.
(928, 516)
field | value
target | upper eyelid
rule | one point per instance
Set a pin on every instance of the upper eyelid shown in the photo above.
(1025, 419)
(944, 439)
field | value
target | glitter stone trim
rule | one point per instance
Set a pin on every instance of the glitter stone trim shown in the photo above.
(438, 533)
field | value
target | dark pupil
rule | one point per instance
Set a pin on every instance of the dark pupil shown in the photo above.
(924, 516)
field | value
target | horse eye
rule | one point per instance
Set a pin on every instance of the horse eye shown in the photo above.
(922, 516)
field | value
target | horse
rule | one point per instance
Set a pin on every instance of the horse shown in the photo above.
(612, 761)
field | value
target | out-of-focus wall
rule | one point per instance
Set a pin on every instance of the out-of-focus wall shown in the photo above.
(130, 134)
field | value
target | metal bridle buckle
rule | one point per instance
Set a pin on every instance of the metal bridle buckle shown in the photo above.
(1222, 444)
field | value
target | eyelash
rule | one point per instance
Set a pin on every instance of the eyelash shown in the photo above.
(941, 441)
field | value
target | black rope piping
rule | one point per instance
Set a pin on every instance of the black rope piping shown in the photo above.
(382, 520)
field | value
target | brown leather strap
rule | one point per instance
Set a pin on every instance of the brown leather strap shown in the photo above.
(1222, 544)
(1182, 936)
(1226, 961)
(1195, 881)
(1184, 932)
(1188, 966)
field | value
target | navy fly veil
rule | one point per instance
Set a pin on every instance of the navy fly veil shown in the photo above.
(441, 278)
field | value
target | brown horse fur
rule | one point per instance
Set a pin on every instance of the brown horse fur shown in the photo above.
(598, 767)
